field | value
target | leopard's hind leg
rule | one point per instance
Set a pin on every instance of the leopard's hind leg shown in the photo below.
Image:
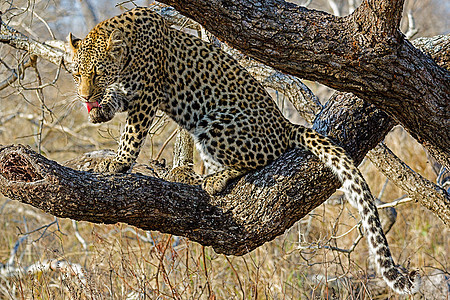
(216, 182)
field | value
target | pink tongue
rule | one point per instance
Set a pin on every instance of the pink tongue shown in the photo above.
(90, 105)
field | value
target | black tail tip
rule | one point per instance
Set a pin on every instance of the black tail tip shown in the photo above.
(413, 283)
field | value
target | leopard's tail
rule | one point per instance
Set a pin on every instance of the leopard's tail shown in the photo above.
(358, 194)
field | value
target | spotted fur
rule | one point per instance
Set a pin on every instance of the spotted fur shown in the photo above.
(136, 63)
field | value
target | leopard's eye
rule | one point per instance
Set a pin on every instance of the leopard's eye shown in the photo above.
(96, 74)
(99, 71)
(76, 76)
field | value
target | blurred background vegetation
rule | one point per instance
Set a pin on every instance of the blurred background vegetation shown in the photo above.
(50, 258)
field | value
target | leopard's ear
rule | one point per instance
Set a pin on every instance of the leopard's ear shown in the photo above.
(116, 44)
(73, 42)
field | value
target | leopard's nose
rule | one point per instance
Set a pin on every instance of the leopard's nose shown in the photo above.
(84, 93)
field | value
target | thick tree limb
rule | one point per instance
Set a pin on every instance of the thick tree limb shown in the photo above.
(252, 211)
(349, 54)
(232, 224)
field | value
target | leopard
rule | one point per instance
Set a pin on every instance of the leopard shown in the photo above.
(137, 63)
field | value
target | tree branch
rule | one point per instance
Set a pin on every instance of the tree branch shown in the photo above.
(232, 225)
(20, 41)
(15, 74)
(380, 17)
(420, 189)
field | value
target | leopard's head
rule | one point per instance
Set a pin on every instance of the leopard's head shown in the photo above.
(97, 64)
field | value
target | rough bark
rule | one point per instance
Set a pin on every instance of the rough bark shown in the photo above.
(252, 211)
(363, 53)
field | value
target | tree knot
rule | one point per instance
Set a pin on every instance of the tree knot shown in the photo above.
(15, 167)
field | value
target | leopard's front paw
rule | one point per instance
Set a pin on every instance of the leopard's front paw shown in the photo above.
(110, 165)
(101, 114)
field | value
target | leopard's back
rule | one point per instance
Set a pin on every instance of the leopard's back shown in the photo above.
(233, 119)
